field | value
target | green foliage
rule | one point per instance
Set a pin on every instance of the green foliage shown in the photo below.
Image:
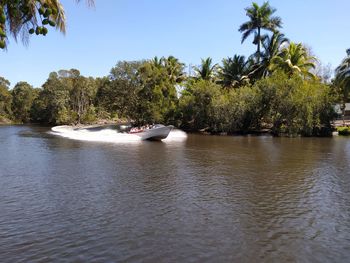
(345, 130)
(260, 17)
(295, 106)
(206, 106)
(294, 59)
(144, 91)
(272, 46)
(341, 83)
(236, 110)
(82, 93)
(23, 96)
(119, 93)
(290, 106)
(66, 98)
(20, 17)
(157, 98)
(234, 72)
(65, 116)
(90, 115)
(207, 70)
(5, 99)
(196, 105)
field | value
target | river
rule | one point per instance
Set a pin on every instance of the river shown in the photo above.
(199, 199)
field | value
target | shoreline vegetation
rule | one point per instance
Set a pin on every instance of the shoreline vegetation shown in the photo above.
(278, 104)
(282, 89)
(338, 127)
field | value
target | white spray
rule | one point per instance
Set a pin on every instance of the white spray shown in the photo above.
(108, 135)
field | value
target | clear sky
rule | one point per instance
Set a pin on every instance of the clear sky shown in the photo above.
(97, 38)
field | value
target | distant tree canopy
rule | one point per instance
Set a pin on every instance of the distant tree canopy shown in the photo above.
(66, 97)
(24, 17)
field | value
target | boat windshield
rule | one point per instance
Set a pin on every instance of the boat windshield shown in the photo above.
(158, 126)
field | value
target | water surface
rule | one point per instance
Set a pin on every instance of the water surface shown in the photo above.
(204, 199)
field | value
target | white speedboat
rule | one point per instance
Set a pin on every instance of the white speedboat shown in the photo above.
(155, 133)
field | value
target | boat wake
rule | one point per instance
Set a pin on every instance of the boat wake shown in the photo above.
(108, 134)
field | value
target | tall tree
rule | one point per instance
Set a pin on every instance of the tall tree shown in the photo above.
(260, 17)
(24, 17)
(52, 104)
(206, 70)
(272, 45)
(174, 68)
(118, 94)
(82, 96)
(157, 98)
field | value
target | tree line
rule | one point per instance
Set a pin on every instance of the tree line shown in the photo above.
(282, 88)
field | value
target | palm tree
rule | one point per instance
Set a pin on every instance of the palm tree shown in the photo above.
(21, 18)
(158, 63)
(294, 59)
(206, 70)
(272, 45)
(342, 80)
(234, 72)
(174, 68)
(260, 18)
(170, 67)
(343, 70)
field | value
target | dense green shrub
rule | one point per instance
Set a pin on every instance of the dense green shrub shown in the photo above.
(237, 110)
(345, 130)
(196, 105)
(90, 115)
(5, 100)
(289, 105)
(23, 96)
(295, 106)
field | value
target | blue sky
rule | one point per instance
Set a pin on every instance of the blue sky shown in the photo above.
(97, 38)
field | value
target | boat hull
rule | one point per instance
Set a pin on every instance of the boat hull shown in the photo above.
(155, 134)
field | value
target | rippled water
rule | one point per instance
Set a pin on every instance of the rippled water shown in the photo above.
(204, 199)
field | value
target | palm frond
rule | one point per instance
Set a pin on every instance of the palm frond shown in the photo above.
(21, 16)
(246, 34)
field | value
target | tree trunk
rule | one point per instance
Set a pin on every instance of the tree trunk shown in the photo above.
(258, 48)
(343, 106)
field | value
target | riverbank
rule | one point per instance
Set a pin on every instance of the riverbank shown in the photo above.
(267, 130)
(99, 122)
(5, 121)
(316, 132)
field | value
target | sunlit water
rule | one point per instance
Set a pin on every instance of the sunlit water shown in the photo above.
(98, 196)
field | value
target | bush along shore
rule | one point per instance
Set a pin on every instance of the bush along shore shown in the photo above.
(282, 89)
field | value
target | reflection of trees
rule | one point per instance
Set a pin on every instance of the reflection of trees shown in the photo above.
(234, 197)
(271, 191)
